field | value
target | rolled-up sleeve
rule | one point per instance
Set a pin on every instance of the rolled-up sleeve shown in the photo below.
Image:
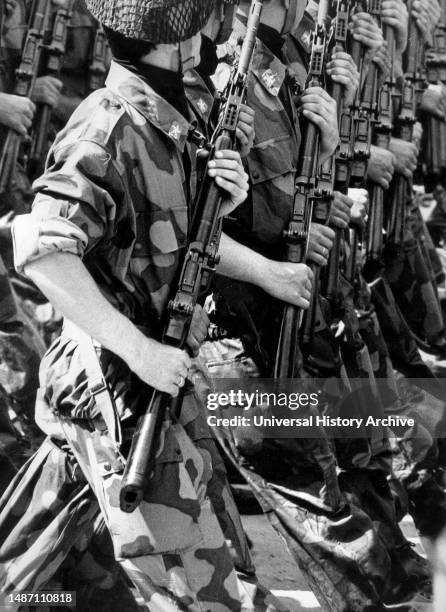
(75, 206)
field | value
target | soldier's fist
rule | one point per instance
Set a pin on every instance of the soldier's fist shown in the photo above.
(47, 90)
(320, 108)
(16, 112)
(427, 14)
(162, 367)
(229, 174)
(320, 243)
(365, 30)
(381, 166)
(198, 330)
(394, 13)
(288, 282)
(245, 130)
(405, 156)
(342, 69)
(434, 101)
(340, 210)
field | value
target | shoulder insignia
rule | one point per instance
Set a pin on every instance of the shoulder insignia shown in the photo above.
(269, 78)
(202, 106)
(175, 130)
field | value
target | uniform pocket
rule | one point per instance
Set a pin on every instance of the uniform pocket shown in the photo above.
(272, 172)
(167, 518)
(271, 158)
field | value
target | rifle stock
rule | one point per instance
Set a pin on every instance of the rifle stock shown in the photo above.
(200, 262)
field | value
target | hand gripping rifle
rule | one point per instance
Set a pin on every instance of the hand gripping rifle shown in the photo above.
(365, 105)
(306, 192)
(364, 114)
(54, 57)
(344, 153)
(435, 140)
(199, 264)
(383, 133)
(405, 122)
(24, 82)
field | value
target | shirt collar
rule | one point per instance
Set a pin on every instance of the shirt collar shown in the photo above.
(146, 101)
(198, 94)
(265, 65)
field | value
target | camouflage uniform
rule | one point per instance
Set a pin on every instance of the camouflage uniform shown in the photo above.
(295, 480)
(20, 344)
(123, 148)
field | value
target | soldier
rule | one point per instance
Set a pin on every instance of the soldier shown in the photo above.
(20, 345)
(117, 189)
(260, 220)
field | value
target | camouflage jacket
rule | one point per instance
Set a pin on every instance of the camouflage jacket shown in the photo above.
(272, 162)
(115, 193)
(200, 99)
(201, 103)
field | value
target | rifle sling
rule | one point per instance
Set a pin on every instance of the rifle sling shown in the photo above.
(97, 385)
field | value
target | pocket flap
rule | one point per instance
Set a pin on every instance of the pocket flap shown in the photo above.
(271, 158)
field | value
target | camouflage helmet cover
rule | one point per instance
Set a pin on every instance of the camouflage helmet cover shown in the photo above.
(156, 21)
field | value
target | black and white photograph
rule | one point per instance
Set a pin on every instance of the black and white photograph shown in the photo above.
(223, 305)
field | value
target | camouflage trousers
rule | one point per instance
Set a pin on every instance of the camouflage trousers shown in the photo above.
(294, 481)
(20, 352)
(172, 548)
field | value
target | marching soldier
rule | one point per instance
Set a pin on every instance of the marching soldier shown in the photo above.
(115, 200)
(272, 162)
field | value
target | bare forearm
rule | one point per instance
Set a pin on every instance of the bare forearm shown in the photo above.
(66, 107)
(65, 281)
(240, 262)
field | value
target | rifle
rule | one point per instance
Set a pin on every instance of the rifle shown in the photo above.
(306, 192)
(435, 141)
(24, 82)
(405, 122)
(55, 52)
(199, 265)
(98, 64)
(383, 133)
(362, 109)
(364, 113)
(344, 153)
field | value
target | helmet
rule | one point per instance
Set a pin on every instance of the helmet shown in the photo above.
(155, 21)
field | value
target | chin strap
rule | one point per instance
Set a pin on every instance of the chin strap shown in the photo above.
(186, 51)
